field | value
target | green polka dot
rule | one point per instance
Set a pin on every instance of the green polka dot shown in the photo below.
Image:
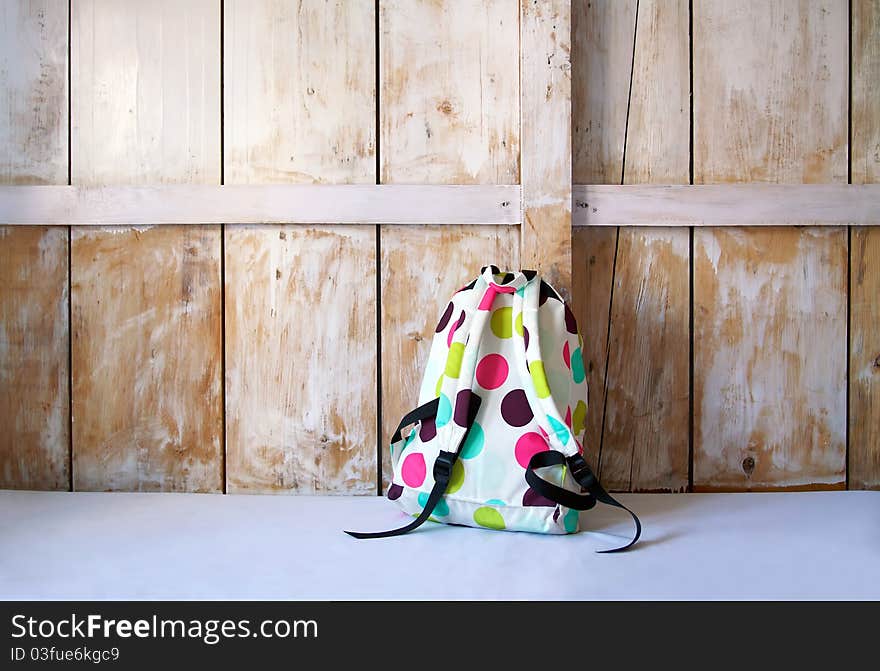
(444, 411)
(577, 366)
(560, 430)
(474, 443)
(453, 361)
(441, 509)
(539, 379)
(500, 322)
(579, 418)
(489, 518)
(456, 480)
(518, 325)
(570, 521)
(439, 386)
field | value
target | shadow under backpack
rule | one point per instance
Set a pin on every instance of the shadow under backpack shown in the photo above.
(501, 416)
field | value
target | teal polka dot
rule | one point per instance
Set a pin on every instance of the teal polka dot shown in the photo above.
(570, 521)
(495, 502)
(577, 366)
(560, 430)
(474, 443)
(444, 411)
(441, 509)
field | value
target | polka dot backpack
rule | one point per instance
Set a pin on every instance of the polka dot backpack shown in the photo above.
(501, 416)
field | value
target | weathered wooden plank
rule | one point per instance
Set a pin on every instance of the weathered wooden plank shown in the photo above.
(593, 250)
(602, 35)
(301, 302)
(415, 288)
(725, 204)
(34, 328)
(289, 66)
(146, 367)
(450, 101)
(474, 204)
(34, 341)
(641, 424)
(449, 92)
(301, 359)
(545, 139)
(770, 105)
(146, 349)
(864, 362)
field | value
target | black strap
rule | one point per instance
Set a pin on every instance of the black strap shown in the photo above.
(421, 413)
(582, 474)
(442, 473)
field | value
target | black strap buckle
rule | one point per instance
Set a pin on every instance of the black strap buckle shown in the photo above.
(580, 471)
(443, 466)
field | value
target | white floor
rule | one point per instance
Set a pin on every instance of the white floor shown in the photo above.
(822, 545)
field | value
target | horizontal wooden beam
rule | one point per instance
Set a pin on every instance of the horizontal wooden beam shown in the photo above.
(593, 205)
(264, 204)
(726, 205)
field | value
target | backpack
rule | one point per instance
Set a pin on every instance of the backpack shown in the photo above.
(501, 416)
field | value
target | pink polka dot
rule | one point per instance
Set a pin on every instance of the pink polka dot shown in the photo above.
(413, 469)
(566, 355)
(568, 417)
(492, 371)
(527, 446)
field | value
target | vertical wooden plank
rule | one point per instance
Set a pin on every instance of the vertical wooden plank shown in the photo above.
(864, 362)
(301, 303)
(145, 302)
(34, 328)
(449, 115)
(770, 105)
(641, 421)
(545, 139)
(301, 347)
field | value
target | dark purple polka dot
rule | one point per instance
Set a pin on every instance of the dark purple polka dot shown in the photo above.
(463, 402)
(547, 292)
(526, 337)
(444, 320)
(571, 324)
(556, 515)
(515, 408)
(394, 492)
(532, 498)
(427, 430)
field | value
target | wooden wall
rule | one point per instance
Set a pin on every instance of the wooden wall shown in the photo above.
(277, 358)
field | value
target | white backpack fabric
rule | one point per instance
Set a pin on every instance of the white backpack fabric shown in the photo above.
(503, 397)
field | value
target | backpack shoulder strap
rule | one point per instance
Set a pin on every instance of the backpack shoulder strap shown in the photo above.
(584, 476)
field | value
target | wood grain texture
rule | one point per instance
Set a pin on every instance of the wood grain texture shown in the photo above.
(34, 341)
(289, 66)
(146, 366)
(770, 104)
(34, 327)
(449, 92)
(602, 36)
(641, 422)
(754, 204)
(865, 151)
(197, 204)
(864, 362)
(450, 101)
(415, 288)
(769, 358)
(301, 360)
(545, 138)
(146, 350)
(593, 250)
(301, 303)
